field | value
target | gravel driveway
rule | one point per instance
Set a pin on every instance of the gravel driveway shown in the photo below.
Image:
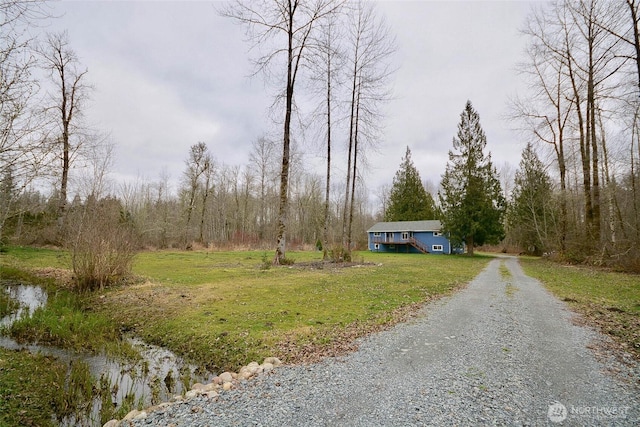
(503, 351)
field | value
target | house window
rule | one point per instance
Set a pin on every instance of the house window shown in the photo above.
(405, 235)
(436, 248)
(376, 234)
(437, 233)
(376, 246)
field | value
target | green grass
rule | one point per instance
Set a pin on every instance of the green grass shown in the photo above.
(7, 305)
(67, 320)
(504, 271)
(30, 388)
(224, 309)
(32, 258)
(608, 300)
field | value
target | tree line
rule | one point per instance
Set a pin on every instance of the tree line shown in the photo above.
(576, 193)
(329, 63)
(336, 53)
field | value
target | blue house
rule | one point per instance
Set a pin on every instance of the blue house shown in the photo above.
(410, 237)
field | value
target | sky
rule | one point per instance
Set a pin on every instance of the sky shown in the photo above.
(169, 74)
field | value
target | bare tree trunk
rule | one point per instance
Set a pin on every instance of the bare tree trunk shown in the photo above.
(325, 231)
(63, 65)
(354, 176)
(636, 36)
(350, 150)
(284, 172)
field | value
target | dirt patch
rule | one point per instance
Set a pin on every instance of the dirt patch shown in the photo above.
(61, 276)
(330, 265)
(622, 327)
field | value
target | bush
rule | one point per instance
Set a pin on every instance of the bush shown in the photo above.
(102, 242)
(339, 254)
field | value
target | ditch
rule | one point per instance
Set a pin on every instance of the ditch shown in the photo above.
(101, 387)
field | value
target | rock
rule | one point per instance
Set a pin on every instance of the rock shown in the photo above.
(198, 387)
(253, 368)
(191, 394)
(273, 360)
(227, 386)
(252, 364)
(226, 377)
(177, 398)
(111, 423)
(131, 415)
(267, 367)
(244, 374)
(217, 380)
(234, 375)
(141, 416)
(210, 387)
(212, 394)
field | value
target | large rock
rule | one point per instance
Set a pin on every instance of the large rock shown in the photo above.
(245, 374)
(111, 423)
(273, 360)
(210, 387)
(226, 377)
(192, 393)
(135, 415)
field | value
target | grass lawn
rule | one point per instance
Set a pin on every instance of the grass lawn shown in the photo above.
(224, 309)
(607, 300)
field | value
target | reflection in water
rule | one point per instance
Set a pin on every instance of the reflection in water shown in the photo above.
(158, 375)
(28, 296)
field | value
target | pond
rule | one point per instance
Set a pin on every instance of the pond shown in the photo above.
(155, 378)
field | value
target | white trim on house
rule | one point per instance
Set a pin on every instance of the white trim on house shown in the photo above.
(437, 248)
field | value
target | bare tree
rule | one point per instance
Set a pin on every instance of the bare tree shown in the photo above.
(21, 151)
(371, 46)
(199, 165)
(67, 102)
(289, 24)
(261, 158)
(325, 66)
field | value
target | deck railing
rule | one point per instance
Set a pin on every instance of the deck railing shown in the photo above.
(395, 241)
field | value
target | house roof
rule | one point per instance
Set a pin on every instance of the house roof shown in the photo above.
(384, 227)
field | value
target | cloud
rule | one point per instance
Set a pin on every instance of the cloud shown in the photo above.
(170, 74)
(149, 122)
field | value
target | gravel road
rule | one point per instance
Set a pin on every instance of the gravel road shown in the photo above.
(503, 351)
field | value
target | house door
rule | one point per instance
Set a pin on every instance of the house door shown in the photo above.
(389, 237)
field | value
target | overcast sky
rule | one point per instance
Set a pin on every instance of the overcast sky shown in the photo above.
(170, 74)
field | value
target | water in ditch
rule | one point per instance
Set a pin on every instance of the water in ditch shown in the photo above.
(155, 378)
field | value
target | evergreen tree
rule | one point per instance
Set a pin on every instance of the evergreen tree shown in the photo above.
(471, 197)
(409, 201)
(531, 213)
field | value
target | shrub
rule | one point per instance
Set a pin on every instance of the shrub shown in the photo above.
(102, 241)
(339, 254)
